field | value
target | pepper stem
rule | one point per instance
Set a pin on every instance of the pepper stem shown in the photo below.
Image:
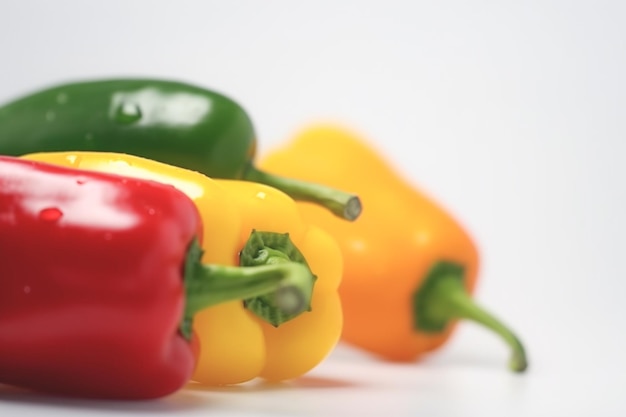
(343, 204)
(271, 248)
(287, 284)
(443, 298)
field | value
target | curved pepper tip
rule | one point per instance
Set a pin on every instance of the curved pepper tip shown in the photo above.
(353, 208)
(442, 297)
(518, 362)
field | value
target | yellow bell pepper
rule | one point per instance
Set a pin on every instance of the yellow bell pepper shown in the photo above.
(235, 344)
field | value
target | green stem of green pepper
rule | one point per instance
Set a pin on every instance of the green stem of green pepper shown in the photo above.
(342, 204)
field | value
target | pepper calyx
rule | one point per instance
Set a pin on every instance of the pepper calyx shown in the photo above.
(288, 285)
(442, 298)
(192, 260)
(271, 248)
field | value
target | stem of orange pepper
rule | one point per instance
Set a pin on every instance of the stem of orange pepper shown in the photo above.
(443, 297)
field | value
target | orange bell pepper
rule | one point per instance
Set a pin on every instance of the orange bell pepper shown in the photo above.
(409, 267)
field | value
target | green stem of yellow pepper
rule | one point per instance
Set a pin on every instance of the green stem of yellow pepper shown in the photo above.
(276, 249)
(288, 286)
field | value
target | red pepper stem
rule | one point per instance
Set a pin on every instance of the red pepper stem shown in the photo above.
(343, 204)
(443, 298)
(289, 284)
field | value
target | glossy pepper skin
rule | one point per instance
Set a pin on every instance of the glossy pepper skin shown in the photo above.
(164, 120)
(263, 350)
(98, 274)
(236, 345)
(409, 266)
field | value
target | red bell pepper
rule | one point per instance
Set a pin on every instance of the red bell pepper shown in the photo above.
(100, 276)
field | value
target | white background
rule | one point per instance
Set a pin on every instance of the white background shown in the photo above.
(512, 114)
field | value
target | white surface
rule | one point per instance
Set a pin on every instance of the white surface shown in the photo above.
(514, 112)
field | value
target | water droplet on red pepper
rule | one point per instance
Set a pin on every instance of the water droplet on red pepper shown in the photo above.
(50, 214)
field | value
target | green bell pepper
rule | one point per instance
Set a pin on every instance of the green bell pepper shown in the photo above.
(168, 121)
